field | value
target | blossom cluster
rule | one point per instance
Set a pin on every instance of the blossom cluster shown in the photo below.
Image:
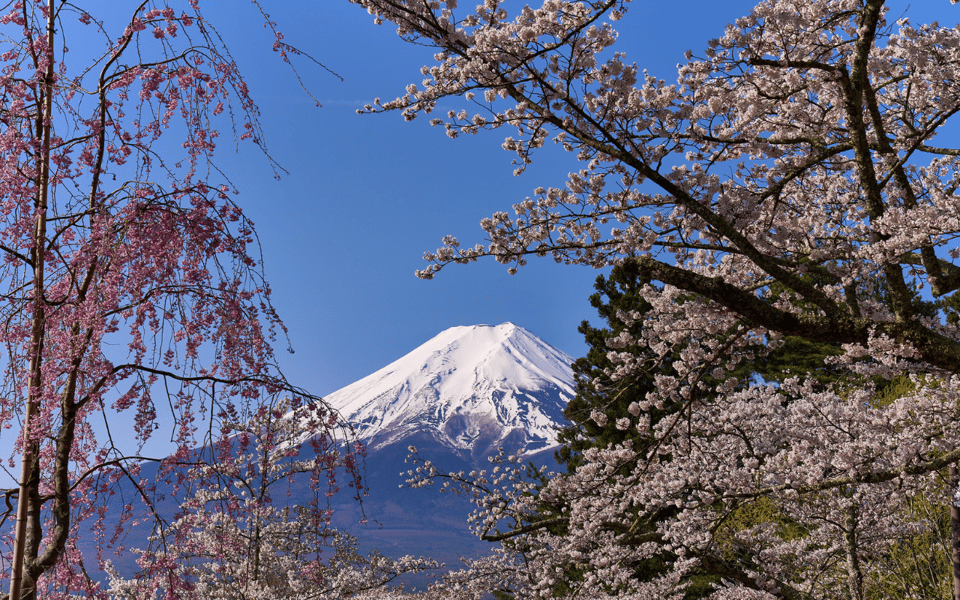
(254, 520)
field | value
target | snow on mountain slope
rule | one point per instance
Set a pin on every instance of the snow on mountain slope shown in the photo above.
(470, 388)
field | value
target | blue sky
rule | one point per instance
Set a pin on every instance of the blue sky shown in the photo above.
(367, 195)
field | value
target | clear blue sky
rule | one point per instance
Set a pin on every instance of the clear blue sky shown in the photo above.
(366, 196)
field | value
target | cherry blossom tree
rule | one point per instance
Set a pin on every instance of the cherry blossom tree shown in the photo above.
(790, 183)
(132, 294)
(254, 520)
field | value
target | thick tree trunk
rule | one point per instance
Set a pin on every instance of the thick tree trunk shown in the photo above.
(955, 531)
(854, 574)
(27, 509)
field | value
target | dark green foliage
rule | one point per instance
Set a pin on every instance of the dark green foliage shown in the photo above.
(596, 391)
(619, 292)
(799, 357)
(951, 307)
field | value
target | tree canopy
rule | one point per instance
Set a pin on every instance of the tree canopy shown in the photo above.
(790, 183)
(131, 293)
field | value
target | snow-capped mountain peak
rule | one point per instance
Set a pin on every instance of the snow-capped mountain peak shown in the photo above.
(470, 388)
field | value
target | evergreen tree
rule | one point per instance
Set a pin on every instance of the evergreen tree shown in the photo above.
(596, 391)
(599, 392)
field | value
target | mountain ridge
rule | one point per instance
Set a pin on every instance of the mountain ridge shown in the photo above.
(459, 398)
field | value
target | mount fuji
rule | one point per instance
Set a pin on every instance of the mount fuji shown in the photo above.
(458, 398)
(470, 390)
